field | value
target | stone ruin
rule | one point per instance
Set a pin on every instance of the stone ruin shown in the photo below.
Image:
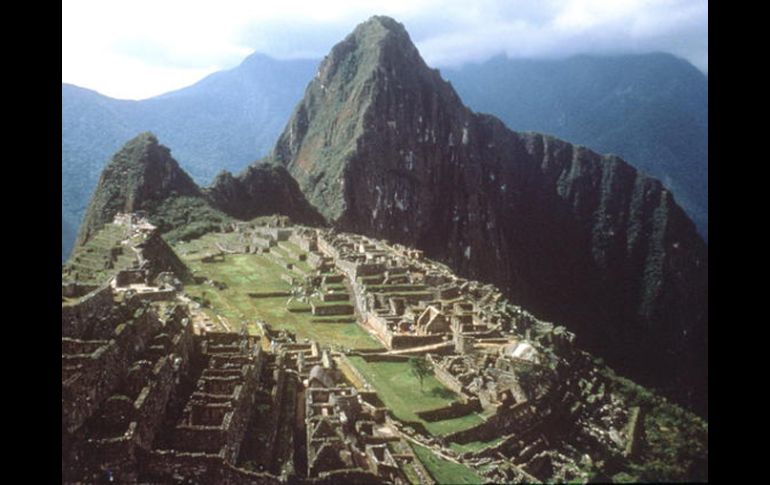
(130, 250)
(407, 301)
(119, 370)
(144, 398)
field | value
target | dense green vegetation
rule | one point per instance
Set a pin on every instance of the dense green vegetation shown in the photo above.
(675, 443)
(186, 218)
(420, 368)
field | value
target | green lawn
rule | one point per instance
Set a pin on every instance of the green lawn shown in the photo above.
(206, 243)
(444, 471)
(282, 253)
(248, 273)
(243, 272)
(474, 446)
(400, 390)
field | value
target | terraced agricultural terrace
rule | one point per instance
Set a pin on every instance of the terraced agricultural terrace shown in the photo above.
(270, 352)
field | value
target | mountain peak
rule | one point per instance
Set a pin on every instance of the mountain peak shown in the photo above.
(141, 175)
(359, 87)
(143, 148)
(371, 46)
(381, 25)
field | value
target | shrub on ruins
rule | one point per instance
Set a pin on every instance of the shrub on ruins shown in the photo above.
(420, 368)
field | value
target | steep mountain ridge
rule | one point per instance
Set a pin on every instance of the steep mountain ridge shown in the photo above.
(383, 146)
(650, 109)
(143, 176)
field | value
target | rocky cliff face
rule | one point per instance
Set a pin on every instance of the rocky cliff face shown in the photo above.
(650, 109)
(383, 146)
(260, 190)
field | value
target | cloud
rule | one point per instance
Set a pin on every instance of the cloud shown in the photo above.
(139, 48)
(580, 26)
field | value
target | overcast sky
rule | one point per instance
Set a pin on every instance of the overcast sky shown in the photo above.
(140, 48)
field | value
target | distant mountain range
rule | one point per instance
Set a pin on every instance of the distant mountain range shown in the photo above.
(651, 109)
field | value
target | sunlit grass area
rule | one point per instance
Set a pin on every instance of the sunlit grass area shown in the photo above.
(252, 273)
(401, 392)
(444, 471)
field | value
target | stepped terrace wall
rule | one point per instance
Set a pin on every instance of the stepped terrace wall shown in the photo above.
(87, 379)
(77, 317)
(453, 410)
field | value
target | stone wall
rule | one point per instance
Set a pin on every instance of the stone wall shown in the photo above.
(218, 412)
(154, 295)
(76, 318)
(345, 361)
(355, 269)
(329, 297)
(117, 451)
(384, 358)
(71, 347)
(98, 373)
(200, 438)
(270, 294)
(325, 246)
(262, 242)
(337, 477)
(514, 419)
(314, 259)
(159, 257)
(242, 413)
(275, 233)
(130, 277)
(169, 465)
(634, 431)
(150, 406)
(447, 379)
(402, 341)
(333, 279)
(74, 289)
(306, 243)
(336, 309)
(454, 410)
